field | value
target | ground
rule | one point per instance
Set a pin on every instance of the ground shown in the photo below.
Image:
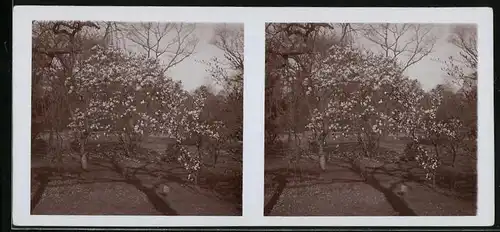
(340, 190)
(104, 190)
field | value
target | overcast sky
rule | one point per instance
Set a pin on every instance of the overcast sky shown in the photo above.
(192, 73)
(429, 70)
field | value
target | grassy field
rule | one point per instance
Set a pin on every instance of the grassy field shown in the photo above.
(103, 190)
(302, 189)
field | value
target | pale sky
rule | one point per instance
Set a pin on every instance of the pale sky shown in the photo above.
(428, 70)
(190, 71)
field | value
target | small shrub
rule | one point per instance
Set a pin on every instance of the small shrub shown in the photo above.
(171, 153)
(410, 152)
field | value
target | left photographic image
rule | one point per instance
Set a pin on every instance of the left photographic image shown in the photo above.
(139, 118)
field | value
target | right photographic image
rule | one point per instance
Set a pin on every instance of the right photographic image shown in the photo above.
(370, 119)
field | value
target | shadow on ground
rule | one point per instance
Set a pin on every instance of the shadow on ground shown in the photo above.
(104, 190)
(306, 191)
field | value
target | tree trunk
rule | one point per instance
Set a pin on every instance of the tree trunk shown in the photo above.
(83, 154)
(454, 173)
(216, 154)
(321, 154)
(363, 145)
(196, 175)
(434, 179)
(296, 139)
(454, 153)
(436, 150)
(130, 143)
(289, 139)
(377, 145)
(84, 161)
(370, 145)
(297, 143)
(126, 142)
(58, 152)
(322, 159)
(51, 142)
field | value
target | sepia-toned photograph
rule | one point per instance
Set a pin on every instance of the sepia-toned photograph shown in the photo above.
(139, 118)
(125, 116)
(370, 119)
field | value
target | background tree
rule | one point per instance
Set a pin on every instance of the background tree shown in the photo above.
(404, 43)
(57, 48)
(172, 42)
(290, 50)
(228, 73)
(462, 70)
(85, 81)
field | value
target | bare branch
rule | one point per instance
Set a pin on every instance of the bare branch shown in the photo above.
(158, 41)
(228, 71)
(398, 41)
(463, 70)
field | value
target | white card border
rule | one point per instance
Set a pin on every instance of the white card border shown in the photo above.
(254, 19)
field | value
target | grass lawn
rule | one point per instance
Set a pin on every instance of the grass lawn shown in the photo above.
(339, 191)
(103, 190)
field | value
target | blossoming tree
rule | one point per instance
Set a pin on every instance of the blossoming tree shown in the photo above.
(127, 95)
(361, 93)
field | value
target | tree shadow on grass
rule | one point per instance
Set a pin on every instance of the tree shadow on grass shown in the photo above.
(281, 184)
(93, 181)
(409, 172)
(140, 178)
(43, 179)
(281, 178)
(45, 175)
(323, 182)
(397, 203)
(219, 184)
(159, 204)
(225, 186)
